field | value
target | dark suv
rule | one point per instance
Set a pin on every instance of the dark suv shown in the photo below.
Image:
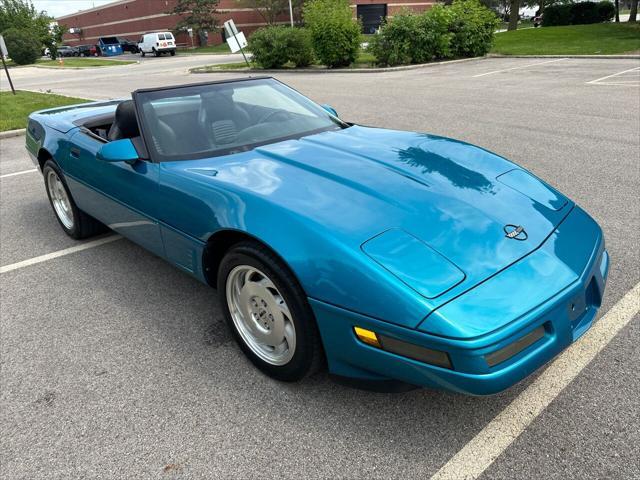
(128, 45)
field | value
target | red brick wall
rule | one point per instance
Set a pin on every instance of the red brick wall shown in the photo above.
(131, 18)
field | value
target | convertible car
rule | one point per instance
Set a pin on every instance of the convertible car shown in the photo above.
(395, 258)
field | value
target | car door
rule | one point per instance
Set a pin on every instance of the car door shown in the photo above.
(122, 195)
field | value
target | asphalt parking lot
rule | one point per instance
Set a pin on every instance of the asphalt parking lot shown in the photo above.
(116, 365)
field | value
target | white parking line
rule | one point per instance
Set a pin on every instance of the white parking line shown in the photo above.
(477, 455)
(18, 173)
(521, 66)
(597, 80)
(59, 253)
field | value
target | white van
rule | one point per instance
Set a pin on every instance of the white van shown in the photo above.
(157, 43)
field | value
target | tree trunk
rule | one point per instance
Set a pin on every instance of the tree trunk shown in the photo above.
(634, 10)
(617, 5)
(514, 9)
(541, 7)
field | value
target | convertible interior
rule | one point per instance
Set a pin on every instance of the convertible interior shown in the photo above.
(211, 121)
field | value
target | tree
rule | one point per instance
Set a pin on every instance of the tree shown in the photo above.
(22, 15)
(54, 39)
(514, 13)
(23, 46)
(633, 13)
(200, 15)
(617, 6)
(269, 10)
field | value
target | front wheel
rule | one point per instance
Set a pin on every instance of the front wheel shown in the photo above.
(268, 313)
(73, 221)
(173, 53)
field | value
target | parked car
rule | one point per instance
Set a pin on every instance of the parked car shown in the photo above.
(397, 256)
(128, 45)
(66, 51)
(157, 43)
(87, 50)
(537, 21)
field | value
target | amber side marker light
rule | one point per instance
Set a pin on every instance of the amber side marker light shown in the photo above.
(404, 349)
(367, 336)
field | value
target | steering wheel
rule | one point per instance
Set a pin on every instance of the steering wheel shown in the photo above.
(270, 114)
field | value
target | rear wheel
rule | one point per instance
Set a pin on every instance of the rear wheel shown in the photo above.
(142, 53)
(156, 52)
(173, 53)
(73, 221)
(268, 313)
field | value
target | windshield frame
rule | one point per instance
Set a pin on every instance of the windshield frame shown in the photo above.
(157, 157)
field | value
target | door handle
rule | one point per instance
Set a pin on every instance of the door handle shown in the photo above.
(75, 152)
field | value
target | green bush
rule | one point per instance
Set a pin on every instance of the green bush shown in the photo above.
(473, 27)
(334, 32)
(464, 29)
(557, 15)
(274, 46)
(606, 11)
(410, 38)
(22, 45)
(581, 13)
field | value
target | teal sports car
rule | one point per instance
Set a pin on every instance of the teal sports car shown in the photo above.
(394, 259)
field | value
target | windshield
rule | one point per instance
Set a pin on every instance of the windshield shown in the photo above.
(200, 121)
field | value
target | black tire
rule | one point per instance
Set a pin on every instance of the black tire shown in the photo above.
(308, 355)
(173, 53)
(156, 52)
(142, 53)
(84, 225)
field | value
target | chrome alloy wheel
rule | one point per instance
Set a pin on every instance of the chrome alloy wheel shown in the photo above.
(261, 315)
(60, 199)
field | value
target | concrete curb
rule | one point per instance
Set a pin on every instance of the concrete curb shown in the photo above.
(612, 57)
(12, 133)
(338, 70)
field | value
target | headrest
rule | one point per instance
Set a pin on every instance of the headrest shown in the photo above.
(126, 120)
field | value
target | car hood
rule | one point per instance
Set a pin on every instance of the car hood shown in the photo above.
(450, 200)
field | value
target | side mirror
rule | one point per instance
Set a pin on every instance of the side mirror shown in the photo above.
(118, 151)
(330, 109)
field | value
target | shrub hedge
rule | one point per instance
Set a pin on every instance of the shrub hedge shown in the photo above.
(464, 29)
(272, 47)
(334, 32)
(22, 45)
(581, 13)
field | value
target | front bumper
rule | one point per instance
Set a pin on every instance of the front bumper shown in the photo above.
(562, 318)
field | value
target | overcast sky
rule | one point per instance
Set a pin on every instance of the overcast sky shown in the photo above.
(57, 8)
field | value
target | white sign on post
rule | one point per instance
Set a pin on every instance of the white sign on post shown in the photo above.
(235, 39)
(230, 28)
(237, 42)
(3, 47)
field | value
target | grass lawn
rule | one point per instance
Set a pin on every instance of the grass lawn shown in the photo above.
(364, 60)
(82, 62)
(73, 62)
(16, 108)
(599, 38)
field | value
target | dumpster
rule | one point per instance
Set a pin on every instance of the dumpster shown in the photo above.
(109, 46)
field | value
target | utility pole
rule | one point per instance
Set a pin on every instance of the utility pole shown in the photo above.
(291, 13)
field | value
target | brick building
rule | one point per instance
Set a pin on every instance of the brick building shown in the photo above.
(131, 18)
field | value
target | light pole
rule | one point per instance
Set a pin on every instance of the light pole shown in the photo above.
(290, 13)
